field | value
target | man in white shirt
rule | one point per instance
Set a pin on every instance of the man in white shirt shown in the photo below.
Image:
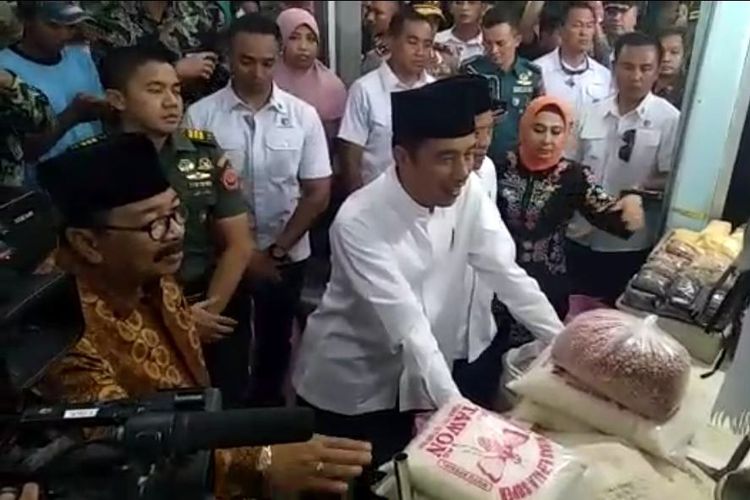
(365, 133)
(277, 143)
(465, 37)
(568, 71)
(382, 341)
(628, 140)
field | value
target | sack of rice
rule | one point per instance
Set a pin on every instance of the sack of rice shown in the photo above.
(561, 406)
(626, 359)
(468, 453)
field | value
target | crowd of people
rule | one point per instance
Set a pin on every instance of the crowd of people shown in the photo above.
(489, 163)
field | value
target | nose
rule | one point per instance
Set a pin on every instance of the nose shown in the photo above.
(171, 99)
(176, 230)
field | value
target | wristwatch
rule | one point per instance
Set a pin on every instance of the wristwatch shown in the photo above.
(265, 458)
(277, 253)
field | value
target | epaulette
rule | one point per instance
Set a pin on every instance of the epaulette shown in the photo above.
(533, 67)
(88, 142)
(200, 136)
(468, 66)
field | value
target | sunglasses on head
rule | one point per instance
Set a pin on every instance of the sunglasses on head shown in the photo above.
(626, 150)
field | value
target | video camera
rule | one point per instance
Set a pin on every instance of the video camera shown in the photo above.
(158, 447)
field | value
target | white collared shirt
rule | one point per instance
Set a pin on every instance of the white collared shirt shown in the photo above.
(464, 49)
(367, 118)
(476, 297)
(383, 334)
(272, 149)
(591, 86)
(599, 139)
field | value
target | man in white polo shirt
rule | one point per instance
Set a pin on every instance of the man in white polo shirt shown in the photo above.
(278, 145)
(628, 140)
(569, 72)
(465, 37)
(365, 131)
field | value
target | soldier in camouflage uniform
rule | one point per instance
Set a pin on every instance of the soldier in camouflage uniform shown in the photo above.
(143, 87)
(23, 110)
(188, 28)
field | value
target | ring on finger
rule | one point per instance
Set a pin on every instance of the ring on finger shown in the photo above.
(319, 468)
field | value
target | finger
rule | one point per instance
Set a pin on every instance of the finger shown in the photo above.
(343, 443)
(324, 485)
(211, 56)
(218, 319)
(30, 492)
(205, 303)
(333, 471)
(8, 493)
(345, 457)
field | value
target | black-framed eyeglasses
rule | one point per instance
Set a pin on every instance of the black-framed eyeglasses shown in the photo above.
(626, 150)
(158, 228)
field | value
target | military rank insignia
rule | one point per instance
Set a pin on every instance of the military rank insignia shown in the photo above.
(200, 136)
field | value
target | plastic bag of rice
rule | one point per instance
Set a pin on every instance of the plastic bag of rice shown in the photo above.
(626, 359)
(560, 404)
(467, 453)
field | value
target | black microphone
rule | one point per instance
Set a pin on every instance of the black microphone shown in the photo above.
(187, 432)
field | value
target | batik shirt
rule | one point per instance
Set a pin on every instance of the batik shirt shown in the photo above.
(153, 348)
(23, 110)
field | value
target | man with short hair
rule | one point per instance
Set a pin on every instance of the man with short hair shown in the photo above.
(144, 88)
(514, 81)
(620, 17)
(278, 144)
(465, 37)
(365, 132)
(628, 140)
(569, 72)
(121, 237)
(65, 73)
(380, 344)
(378, 18)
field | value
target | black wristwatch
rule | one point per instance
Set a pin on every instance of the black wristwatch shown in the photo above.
(278, 253)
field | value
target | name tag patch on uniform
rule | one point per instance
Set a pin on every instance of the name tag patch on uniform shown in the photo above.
(523, 90)
(185, 165)
(205, 165)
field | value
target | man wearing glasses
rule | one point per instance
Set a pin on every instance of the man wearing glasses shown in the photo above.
(143, 86)
(628, 140)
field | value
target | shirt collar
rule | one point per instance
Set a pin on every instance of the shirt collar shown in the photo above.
(477, 40)
(391, 81)
(559, 62)
(231, 100)
(641, 110)
(405, 204)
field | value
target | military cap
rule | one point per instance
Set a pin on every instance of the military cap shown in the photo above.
(108, 173)
(441, 110)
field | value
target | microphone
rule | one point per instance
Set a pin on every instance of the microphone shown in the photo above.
(188, 432)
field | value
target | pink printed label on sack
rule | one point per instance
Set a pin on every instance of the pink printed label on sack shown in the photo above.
(505, 459)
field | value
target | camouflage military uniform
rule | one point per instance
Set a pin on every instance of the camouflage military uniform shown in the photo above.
(187, 26)
(515, 89)
(23, 109)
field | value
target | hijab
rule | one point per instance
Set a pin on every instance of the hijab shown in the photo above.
(529, 156)
(318, 85)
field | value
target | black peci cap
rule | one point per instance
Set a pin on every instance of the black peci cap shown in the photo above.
(441, 110)
(108, 173)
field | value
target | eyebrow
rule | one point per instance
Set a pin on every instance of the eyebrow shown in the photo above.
(150, 210)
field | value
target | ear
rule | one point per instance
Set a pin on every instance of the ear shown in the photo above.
(115, 99)
(85, 244)
(402, 156)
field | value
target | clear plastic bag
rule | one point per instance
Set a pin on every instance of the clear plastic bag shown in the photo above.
(626, 359)
(468, 453)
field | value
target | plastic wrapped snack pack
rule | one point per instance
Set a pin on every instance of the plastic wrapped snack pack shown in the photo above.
(559, 406)
(626, 359)
(467, 453)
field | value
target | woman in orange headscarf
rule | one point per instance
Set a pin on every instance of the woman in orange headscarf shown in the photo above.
(539, 191)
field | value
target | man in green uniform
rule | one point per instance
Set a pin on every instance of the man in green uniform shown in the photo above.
(514, 81)
(143, 86)
(23, 110)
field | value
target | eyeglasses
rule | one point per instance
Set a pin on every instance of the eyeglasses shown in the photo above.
(626, 150)
(157, 229)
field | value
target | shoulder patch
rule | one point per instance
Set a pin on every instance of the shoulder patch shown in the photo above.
(200, 136)
(88, 142)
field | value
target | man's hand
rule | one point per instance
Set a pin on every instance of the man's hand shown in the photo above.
(6, 79)
(263, 266)
(30, 492)
(323, 464)
(211, 326)
(197, 66)
(88, 108)
(632, 212)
